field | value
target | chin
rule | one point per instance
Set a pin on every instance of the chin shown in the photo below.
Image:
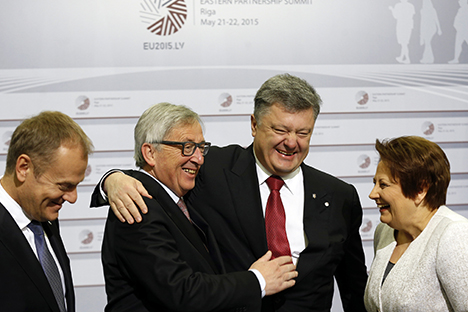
(53, 217)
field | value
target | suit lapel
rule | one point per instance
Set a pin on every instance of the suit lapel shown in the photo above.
(210, 242)
(52, 231)
(177, 216)
(14, 240)
(316, 202)
(243, 180)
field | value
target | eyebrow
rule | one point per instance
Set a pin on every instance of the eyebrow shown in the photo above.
(67, 184)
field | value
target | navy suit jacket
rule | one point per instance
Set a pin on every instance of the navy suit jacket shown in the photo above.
(227, 195)
(166, 263)
(23, 284)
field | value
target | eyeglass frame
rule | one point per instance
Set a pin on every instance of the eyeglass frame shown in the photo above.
(205, 145)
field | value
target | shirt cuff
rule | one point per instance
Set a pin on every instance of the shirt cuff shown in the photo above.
(261, 280)
(101, 182)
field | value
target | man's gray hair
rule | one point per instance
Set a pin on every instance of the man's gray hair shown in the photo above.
(293, 93)
(157, 122)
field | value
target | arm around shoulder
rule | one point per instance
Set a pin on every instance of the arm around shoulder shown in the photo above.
(124, 195)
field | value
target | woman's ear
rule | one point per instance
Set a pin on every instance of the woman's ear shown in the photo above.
(421, 195)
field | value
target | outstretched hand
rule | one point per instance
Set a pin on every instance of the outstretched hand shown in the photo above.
(278, 273)
(125, 197)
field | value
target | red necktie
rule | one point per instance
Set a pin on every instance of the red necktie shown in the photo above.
(275, 220)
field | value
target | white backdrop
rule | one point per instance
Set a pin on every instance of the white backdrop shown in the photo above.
(104, 62)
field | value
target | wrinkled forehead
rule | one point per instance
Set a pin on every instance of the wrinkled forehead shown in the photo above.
(188, 130)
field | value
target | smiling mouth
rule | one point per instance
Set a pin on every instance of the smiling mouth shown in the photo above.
(383, 206)
(286, 154)
(191, 171)
(57, 204)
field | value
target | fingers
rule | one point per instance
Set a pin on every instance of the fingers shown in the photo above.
(286, 285)
(265, 257)
(141, 189)
(129, 209)
(283, 260)
(289, 267)
(117, 213)
(292, 275)
(125, 197)
(278, 273)
(281, 280)
(121, 212)
(136, 197)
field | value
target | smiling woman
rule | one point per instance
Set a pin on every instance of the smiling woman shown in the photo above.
(420, 247)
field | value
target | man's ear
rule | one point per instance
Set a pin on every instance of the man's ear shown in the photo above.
(23, 167)
(148, 152)
(253, 125)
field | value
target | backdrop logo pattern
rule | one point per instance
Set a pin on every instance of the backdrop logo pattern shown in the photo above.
(427, 128)
(165, 17)
(362, 98)
(225, 99)
(364, 161)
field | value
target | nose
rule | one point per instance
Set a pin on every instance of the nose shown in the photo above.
(198, 157)
(71, 196)
(373, 194)
(291, 140)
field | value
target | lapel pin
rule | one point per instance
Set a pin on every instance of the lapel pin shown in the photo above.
(327, 204)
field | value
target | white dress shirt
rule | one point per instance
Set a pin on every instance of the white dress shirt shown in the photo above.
(292, 196)
(17, 213)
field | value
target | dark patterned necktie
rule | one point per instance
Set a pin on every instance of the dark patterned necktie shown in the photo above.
(275, 220)
(183, 207)
(48, 263)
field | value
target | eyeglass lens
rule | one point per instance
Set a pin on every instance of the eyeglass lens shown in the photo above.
(189, 148)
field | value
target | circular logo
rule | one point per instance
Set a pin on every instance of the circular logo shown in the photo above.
(86, 237)
(82, 102)
(366, 225)
(165, 17)
(428, 128)
(362, 97)
(88, 171)
(225, 100)
(363, 161)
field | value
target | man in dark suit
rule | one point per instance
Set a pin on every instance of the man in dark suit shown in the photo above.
(47, 158)
(323, 213)
(171, 261)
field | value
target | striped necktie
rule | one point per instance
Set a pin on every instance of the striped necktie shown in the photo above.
(48, 263)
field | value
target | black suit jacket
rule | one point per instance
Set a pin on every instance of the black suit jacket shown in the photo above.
(23, 284)
(163, 263)
(227, 195)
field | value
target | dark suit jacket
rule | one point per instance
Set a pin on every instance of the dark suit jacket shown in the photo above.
(162, 263)
(23, 284)
(227, 195)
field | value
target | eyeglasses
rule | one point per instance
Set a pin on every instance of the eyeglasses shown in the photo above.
(188, 148)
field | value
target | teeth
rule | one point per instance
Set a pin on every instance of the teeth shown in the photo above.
(383, 206)
(284, 153)
(192, 171)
